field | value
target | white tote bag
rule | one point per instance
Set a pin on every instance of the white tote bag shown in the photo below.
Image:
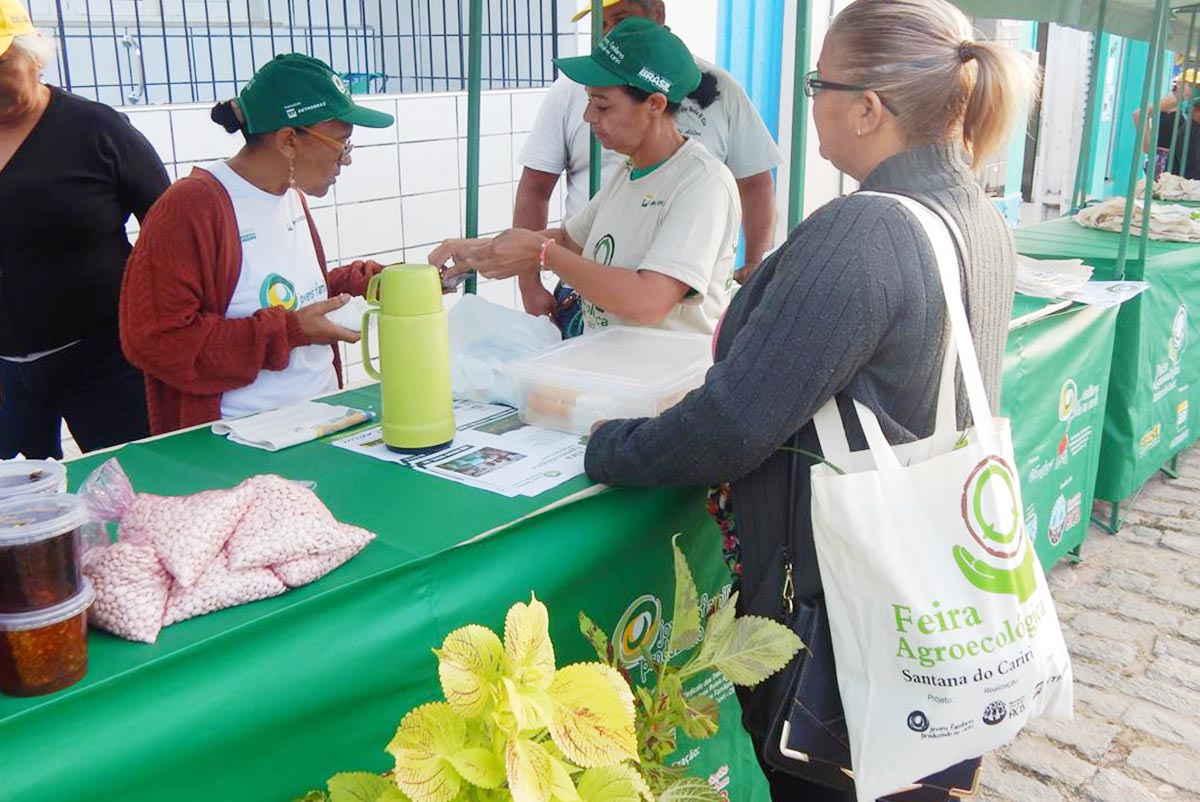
(945, 635)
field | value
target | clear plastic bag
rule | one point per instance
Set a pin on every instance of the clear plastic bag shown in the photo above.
(484, 337)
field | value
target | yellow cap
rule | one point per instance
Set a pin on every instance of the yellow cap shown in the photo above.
(582, 12)
(14, 22)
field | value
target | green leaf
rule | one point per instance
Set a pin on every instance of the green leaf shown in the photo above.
(620, 783)
(690, 789)
(313, 796)
(721, 620)
(751, 649)
(470, 663)
(527, 644)
(592, 721)
(478, 766)
(661, 777)
(393, 794)
(531, 708)
(597, 637)
(701, 717)
(562, 787)
(357, 786)
(686, 629)
(427, 737)
(528, 767)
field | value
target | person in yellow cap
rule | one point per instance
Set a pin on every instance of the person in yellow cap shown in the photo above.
(71, 173)
(225, 300)
(558, 143)
(656, 246)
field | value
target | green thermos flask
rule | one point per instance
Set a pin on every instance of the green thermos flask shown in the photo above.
(414, 357)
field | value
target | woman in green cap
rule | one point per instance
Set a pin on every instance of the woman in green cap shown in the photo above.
(655, 247)
(225, 298)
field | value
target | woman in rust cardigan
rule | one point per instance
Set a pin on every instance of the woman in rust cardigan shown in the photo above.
(226, 293)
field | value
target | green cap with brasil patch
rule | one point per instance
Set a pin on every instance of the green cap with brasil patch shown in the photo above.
(639, 53)
(297, 90)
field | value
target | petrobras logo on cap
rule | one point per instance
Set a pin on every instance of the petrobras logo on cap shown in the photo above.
(654, 79)
(613, 51)
(294, 110)
(339, 84)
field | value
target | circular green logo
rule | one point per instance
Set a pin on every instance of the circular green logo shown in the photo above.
(637, 629)
(990, 509)
(603, 252)
(277, 291)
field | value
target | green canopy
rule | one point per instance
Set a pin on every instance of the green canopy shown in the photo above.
(1129, 18)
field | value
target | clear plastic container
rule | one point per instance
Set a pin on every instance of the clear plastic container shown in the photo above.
(45, 651)
(20, 478)
(39, 551)
(621, 372)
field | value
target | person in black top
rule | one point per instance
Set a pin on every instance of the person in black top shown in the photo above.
(71, 173)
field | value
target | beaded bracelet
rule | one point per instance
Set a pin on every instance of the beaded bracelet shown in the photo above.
(546, 243)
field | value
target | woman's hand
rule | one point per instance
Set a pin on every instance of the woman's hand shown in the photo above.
(512, 253)
(320, 329)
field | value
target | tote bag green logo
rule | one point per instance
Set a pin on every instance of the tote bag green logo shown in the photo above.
(1067, 399)
(992, 516)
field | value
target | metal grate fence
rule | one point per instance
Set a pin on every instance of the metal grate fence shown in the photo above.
(175, 51)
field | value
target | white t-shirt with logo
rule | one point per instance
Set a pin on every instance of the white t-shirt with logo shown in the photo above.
(279, 268)
(681, 220)
(730, 128)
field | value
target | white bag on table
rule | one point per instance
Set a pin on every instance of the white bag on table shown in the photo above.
(944, 633)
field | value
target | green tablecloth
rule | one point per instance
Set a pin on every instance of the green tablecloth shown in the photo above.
(263, 701)
(1155, 379)
(1056, 376)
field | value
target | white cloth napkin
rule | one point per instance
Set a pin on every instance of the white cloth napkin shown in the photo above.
(291, 425)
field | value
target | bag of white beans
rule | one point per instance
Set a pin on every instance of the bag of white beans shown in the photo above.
(184, 556)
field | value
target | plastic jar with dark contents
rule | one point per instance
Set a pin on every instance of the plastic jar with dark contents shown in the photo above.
(45, 651)
(39, 551)
(21, 478)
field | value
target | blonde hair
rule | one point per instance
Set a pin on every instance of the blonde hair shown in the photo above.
(36, 47)
(922, 57)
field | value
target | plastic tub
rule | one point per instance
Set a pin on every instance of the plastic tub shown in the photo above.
(20, 478)
(621, 372)
(45, 651)
(39, 551)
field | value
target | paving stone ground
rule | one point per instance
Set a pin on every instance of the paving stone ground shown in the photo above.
(1131, 614)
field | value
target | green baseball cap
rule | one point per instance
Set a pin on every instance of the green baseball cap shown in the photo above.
(641, 53)
(297, 90)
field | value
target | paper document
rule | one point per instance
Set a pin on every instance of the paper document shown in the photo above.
(1109, 293)
(292, 425)
(492, 450)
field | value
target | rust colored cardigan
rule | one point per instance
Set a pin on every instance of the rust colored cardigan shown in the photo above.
(178, 283)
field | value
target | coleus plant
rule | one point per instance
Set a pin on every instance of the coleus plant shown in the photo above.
(515, 727)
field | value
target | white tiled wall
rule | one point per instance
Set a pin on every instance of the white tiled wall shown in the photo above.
(406, 188)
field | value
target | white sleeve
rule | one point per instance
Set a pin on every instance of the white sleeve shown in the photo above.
(693, 230)
(752, 150)
(547, 148)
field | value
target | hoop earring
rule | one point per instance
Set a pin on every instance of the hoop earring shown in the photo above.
(291, 172)
(858, 132)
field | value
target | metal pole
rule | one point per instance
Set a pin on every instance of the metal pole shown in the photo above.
(1161, 46)
(1082, 171)
(594, 161)
(799, 115)
(1139, 158)
(474, 81)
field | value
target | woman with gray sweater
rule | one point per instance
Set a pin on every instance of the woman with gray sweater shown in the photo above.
(905, 101)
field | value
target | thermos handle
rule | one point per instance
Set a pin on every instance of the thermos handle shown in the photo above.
(372, 293)
(366, 338)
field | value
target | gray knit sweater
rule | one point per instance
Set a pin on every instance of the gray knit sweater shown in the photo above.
(850, 306)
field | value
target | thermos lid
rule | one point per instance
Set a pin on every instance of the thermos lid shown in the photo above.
(407, 290)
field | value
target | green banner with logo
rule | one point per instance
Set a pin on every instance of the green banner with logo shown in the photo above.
(1155, 383)
(1056, 378)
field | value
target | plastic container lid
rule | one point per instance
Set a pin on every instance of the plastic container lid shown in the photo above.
(29, 519)
(33, 476)
(15, 622)
(621, 358)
